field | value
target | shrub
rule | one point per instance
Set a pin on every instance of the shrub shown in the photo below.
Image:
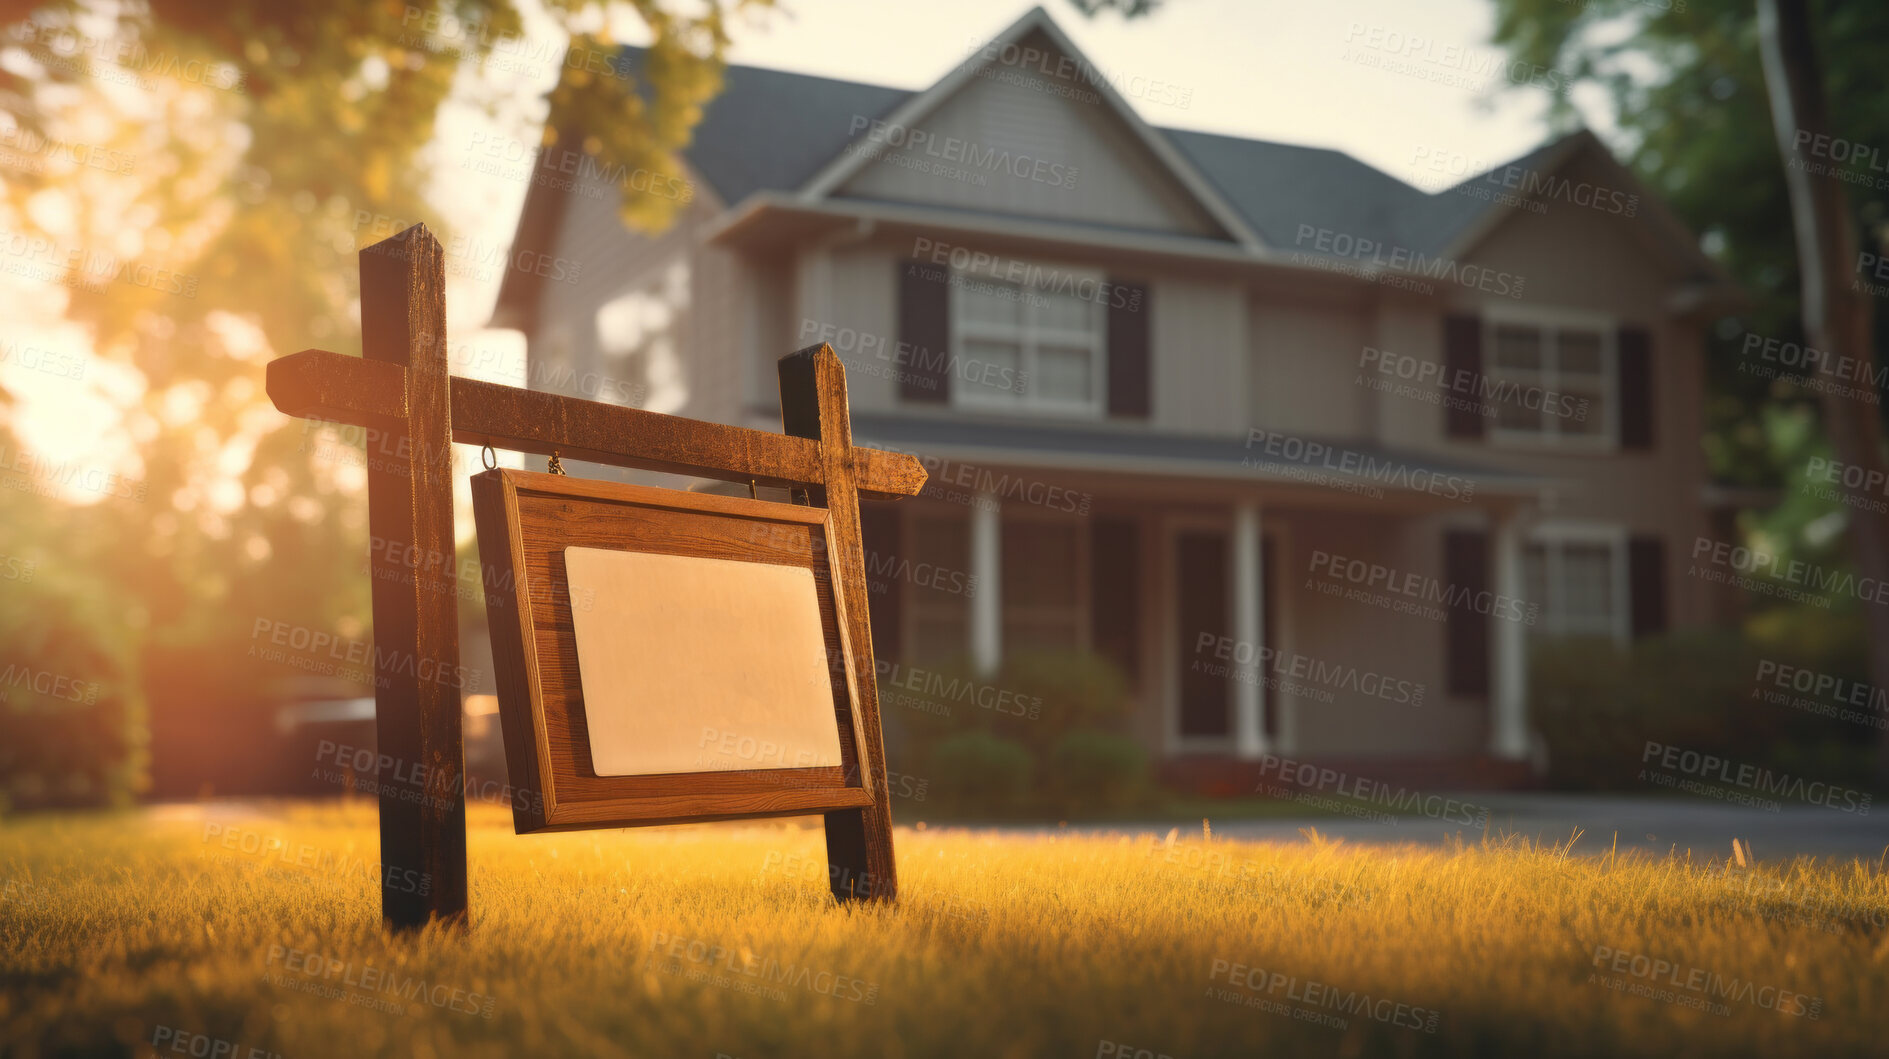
(1598, 705)
(1061, 692)
(1091, 770)
(1036, 698)
(981, 771)
(72, 722)
(1049, 716)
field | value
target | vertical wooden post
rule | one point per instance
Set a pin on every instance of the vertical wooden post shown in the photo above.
(417, 676)
(813, 405)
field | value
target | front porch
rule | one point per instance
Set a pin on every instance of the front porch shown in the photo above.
(1258, 606)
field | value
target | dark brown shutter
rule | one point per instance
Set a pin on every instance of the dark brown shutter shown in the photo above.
(1466, 575)
(1636, 388)
(1115, 593)
(1646, 578)
(924, 353)
(1462, 368)
(1130, 385)
(1203, 607)
(879, 539)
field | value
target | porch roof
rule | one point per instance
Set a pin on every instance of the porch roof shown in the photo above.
(1342, 466)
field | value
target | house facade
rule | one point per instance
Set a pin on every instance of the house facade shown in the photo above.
(1312, 454)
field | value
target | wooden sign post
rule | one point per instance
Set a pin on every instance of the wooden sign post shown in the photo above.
(402, 392)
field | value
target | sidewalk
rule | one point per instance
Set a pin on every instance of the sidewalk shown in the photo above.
(1654, 825)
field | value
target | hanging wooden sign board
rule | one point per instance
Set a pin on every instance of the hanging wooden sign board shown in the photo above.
(665, 656)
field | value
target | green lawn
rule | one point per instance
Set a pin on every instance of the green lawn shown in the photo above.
(261, 929)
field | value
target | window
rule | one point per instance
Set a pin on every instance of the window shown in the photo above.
(1022, 346)
(1043, 563)
(1551, 380)
(1578, 576)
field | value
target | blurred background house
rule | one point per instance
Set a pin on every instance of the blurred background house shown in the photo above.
(1309, 454)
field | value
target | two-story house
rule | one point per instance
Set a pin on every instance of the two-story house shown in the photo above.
(1311, 453)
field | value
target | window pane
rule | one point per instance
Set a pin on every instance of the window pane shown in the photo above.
(1535, 575)
(1515, 413)
(1578, 352)
(1063, 373)
(1517, 347)
(1587, 591)
(1065, 312)
(1577, 402)
(989, 369)
(985, 302)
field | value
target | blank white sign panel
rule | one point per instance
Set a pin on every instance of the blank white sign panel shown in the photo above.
(692, 664)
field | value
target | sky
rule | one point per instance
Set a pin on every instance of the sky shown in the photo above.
(1414, 89)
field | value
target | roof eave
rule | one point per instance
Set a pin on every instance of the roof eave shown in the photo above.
(758, 208)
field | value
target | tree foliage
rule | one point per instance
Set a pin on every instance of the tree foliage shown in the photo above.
(196, 179)
(1684, 84)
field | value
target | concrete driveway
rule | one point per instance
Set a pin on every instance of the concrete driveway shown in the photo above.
(1656, 825)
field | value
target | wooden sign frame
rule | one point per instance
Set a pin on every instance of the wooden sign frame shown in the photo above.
(525, 520)
(402, 392)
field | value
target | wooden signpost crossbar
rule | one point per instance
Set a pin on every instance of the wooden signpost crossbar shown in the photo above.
(402, 388)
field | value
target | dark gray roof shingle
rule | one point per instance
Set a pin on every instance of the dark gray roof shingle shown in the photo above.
(770, 130)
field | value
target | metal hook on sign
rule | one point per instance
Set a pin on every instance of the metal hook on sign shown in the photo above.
(556, 466)
(488, 458)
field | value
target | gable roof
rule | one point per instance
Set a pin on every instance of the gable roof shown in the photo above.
(785, 133)
(912, 111)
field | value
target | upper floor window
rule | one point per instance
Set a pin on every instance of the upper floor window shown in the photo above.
(1025, 347)
(1551, 380)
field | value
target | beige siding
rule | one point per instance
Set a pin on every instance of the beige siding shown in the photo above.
(863, 308)
(1304, 365)
(1577, 257)
(772, 329)
(688, 360)
(1094, 169)
(1198, 353)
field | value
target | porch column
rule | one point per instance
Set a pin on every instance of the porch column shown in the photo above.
(987, 613)
(1249, 693)
(1508, 662)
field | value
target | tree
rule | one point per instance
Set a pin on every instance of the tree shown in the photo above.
(1687, 86)
(196, 179)
(1838, 317)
